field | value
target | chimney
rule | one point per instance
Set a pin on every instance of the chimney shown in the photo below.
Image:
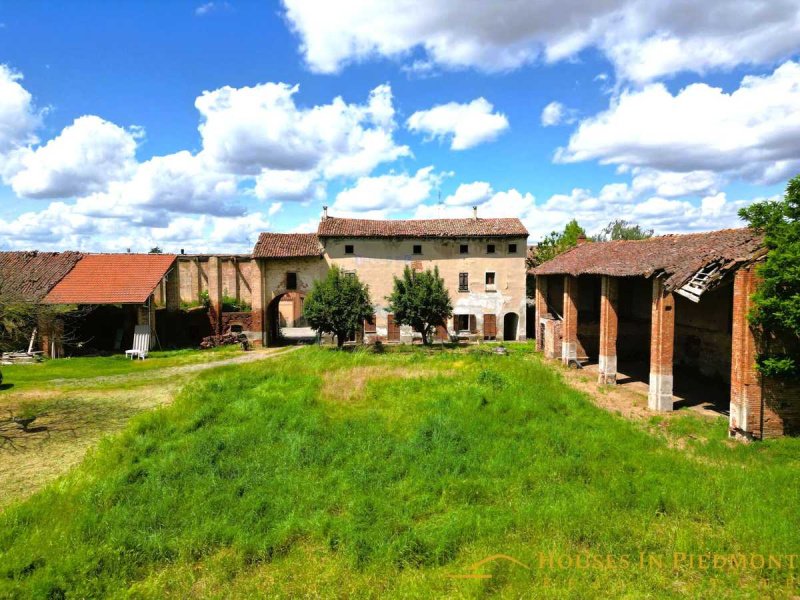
(182, 251)
(324, 212)
(475, 212)
(582, 239)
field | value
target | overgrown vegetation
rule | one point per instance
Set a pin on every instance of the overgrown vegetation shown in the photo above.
(262, 482)
(620, 229)
(555, 243)
(776, 303)
(420, 299)
(338, 304)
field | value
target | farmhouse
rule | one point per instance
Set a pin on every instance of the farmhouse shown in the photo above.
(682, 301)
(481, 260)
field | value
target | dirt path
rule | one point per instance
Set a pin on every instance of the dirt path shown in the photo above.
(77, 416)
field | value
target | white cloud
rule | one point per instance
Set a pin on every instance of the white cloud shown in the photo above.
(470, 194)
(210, 7)
(19, 119)
(701, 128)
(556, 113)
(82, 159)
(671, 184)
(292, 186)
(249, 129)
(387, 193)
(644, 39)
(469, 124)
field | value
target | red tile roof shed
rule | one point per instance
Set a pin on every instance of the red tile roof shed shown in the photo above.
(30, 275)
(676, 257)
(287, 245)
(421, 228)
(111, 279)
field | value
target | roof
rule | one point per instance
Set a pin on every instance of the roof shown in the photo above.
(111, 279)
(677, 258)
(421, 228)
(33, 274)
(287, 245)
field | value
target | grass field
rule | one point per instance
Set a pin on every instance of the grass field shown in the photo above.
(338, 474)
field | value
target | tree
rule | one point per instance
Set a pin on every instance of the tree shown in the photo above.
(776, 302)
(555, 243)
(620, 229)
(156, 250)
(338, 304)
(420, 299)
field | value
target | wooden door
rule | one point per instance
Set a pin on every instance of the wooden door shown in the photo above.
(489, 327)
(393, 329)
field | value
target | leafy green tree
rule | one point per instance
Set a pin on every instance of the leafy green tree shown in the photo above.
(420, 299)
(620, 229)
(555, 243)
(156, 250)
(776, 303)
(338, 304)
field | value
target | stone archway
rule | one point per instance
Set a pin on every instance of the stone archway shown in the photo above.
(510, 325)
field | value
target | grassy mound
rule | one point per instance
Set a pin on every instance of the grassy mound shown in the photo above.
(278, 479)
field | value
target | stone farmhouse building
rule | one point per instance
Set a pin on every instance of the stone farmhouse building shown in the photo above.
(482, 262)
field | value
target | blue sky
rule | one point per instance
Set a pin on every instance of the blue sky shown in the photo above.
(131, 124)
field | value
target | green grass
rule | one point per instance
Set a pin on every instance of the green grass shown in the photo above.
(278, 480)
(47, 371)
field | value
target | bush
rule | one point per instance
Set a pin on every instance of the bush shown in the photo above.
(226, 339)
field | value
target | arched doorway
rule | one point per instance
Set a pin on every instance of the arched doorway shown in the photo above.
(285, 321)
(510, 323)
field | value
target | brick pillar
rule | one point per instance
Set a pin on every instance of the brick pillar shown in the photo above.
(746, 406)
(662, 340)
(215, 291)
(609, 293)
(146, 314)
(569, 340)
(257, 301)
(173, 289)
(541, 310)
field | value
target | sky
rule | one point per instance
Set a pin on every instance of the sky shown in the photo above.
(197, 125)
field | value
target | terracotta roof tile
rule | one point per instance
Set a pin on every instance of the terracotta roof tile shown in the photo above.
(111, 279)
(421, 228)
(32, 274)
(287, 245)
(675, 257)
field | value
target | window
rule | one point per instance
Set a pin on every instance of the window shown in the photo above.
(490, 281)
(512, 248)
(348, 248)
(291, 281)
(463, 282)
(490, 249)
(369, 325)
(461, 322)
(349, 273)
(463, 249)
(417, 249)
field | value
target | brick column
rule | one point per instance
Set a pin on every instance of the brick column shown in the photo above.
(746, 406)
(173, 291)
(569, 340)
(662, 340)
(541, 310)
(215, 291)
(609, 293)
(258, 302)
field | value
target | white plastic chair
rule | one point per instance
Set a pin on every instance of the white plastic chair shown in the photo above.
(141, 342)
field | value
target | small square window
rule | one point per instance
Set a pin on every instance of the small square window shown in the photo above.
(490, 249)
(463, 282)
(463, 249)
(350, 274)
(512, 248)
(291, 281)
(348, 248)
(417, 249)
(461, 322)
(489, 280)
